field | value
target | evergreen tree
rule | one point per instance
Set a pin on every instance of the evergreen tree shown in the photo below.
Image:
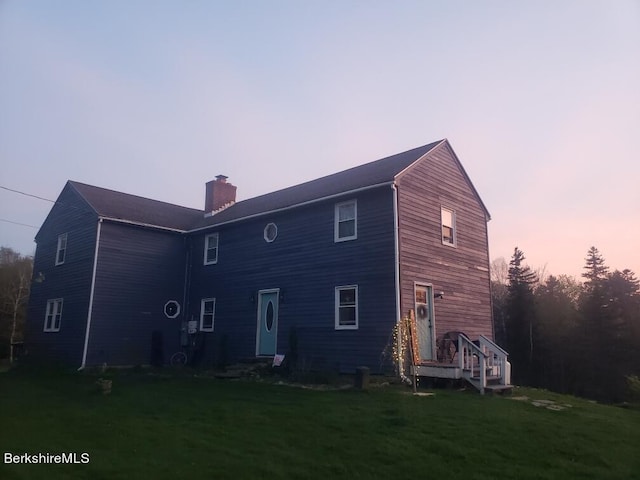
(622, 315)
(598, 337)
(557, 321)
(596, 270)
(520, 318)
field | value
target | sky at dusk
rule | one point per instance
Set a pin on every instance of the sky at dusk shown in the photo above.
(540, 101)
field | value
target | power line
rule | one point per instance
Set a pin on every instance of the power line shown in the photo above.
(55, 202)
(27, 194)
(17, 223)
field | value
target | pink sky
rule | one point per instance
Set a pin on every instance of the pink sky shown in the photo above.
(540, 101)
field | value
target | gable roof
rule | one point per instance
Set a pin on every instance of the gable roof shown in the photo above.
(134, 209)
(128, 208)
(370, 174)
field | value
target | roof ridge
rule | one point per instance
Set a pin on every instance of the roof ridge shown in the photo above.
(118, 192)
(345, 171)
(374, 173)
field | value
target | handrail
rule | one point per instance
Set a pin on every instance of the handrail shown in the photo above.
(467, 350)
(494, 346)
(496, 360)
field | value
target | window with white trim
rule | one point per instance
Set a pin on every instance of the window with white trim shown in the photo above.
(449, 233)
(211, 249)
(346, 221)
(61, 251)
(53, 316)
(347, 307)
(207, 314)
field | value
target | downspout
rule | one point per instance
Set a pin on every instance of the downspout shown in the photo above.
(93, 287)
(187, 279)
(493, 320)
(396, 241)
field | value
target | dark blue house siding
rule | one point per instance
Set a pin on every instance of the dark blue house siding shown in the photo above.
(70, 281)
(139, 271)
(306, 265)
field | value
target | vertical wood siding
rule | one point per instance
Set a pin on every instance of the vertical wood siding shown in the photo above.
(70, 281)
(461, 272)
(306, 265)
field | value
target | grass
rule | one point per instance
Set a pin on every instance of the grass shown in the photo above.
(166, 427)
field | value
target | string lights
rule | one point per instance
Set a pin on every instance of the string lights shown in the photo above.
(401, 348)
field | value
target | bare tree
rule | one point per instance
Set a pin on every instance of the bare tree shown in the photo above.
(500, 271)
(15, 281)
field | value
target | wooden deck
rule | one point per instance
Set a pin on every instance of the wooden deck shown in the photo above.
(437, 370)
(482, 363)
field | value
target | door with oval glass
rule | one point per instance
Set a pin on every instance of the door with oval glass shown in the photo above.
(267, 334)
(425, 322)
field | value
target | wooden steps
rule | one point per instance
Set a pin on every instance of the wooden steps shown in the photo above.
(498, 388)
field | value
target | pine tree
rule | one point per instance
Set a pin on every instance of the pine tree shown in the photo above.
(596, 270)
(622, 316)
(557, 320)
(595, 337)
(520, 317)
(520, 274)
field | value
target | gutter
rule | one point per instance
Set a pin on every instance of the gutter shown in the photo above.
(93, 287)
(187, 279)
(290, 207)
(396, 242)
(141, 224)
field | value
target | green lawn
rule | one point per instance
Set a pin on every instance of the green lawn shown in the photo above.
(174, 427)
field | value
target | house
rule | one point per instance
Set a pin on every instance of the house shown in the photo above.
(331, 265)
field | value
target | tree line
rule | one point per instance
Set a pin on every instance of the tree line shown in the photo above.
(581, 338)
(15, 282)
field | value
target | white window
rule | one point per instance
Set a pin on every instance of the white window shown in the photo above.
(53, 317)
(211, 249)
(346, 224)
(207, 314)
(448, 226)
(61, 252)
(347, 307)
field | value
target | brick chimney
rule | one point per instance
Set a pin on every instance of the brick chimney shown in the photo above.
(218, 194)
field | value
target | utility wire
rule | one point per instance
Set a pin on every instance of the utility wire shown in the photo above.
(27, 194)
(17, 223)
(55, 202)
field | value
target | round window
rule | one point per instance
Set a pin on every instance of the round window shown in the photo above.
(270, 232)
(269, 316)
(172, 309)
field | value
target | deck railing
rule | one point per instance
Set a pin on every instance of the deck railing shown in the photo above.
(497, 361)
(473, 362)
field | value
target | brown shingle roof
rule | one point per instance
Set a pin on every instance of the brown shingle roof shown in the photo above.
(372, 173)
(132, 208)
